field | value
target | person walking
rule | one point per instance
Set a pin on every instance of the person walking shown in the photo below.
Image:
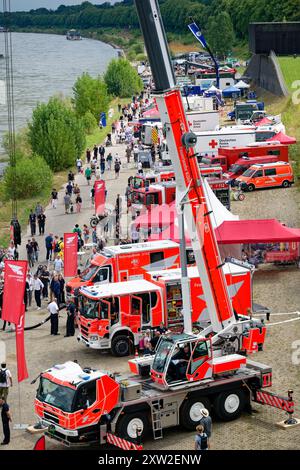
(102, 164)
(29, 280)
(78, 201)
(49, 246)
(201, 439)
(102, 150)
(58, 264)
(140, 168)
(77, 229)
(71, 177)
(36, 249)
(45, 278)
(206, 422)
(6, 418)
(53, 310)
(69, 188)
(54, 197)
(117, 169)
(109, 160)
(92, 195)
(95, 150)
(5, 381)
(88, 175)
(88, 156)
(79, 165)
(55, 288)
(41, 223)
(70, 325)
(38, 289)
(32, 222)
(30, 254)
(98, 173)
(67, 202)
(86, 234)
(62, 299)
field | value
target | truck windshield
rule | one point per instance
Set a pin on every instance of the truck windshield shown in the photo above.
(57, 395)
(89, 273)
(161, 355)
(235, 169)
(249, 173)
(89, 308)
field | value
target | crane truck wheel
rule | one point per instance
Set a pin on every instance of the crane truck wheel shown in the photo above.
(131, 423)
(190, 413)
(120, 346)
(229, 405)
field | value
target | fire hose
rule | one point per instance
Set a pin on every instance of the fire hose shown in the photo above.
(33, 327)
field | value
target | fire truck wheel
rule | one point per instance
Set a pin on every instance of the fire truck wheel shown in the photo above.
(286, 184)
(229, 405)
(94, 222)
(251, 188)
(190, 412)
(120, 346)
(131, 423)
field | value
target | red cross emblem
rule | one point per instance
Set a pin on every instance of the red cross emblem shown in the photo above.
(213, 144)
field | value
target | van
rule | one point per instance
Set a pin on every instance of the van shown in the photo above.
(242, 164)
(279, 174)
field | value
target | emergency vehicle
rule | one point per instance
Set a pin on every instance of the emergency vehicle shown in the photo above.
(242, 164)
(128, 262)
(113, 316)
(225, 157)
(154, 194)
(188, 372)
(142, 181)
(269, 175)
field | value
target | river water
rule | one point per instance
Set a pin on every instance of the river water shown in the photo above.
(45, 65)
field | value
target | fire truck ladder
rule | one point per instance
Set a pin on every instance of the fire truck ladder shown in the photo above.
(156, 419)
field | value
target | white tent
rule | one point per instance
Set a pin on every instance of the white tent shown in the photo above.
(242, 85)
(214, 89)
(220, 213)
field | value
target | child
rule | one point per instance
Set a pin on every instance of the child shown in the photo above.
(201, 439)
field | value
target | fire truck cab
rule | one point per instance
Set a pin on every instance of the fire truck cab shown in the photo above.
(142, 181)
(155, 194)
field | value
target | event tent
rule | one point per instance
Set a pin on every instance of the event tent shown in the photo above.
(264, 122)
(231, 92)
(242, 85)
(283, 139)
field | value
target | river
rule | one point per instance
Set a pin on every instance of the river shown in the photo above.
(48, 64)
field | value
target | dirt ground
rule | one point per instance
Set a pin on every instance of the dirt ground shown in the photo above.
(277, 288)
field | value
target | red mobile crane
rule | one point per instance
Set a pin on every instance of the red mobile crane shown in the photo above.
(187, 372)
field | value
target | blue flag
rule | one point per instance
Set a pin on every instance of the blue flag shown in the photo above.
(102, 120)
(194, 28)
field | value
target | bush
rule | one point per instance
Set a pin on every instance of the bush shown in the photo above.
(89, 122)
(56, 134)
(122, 79)
(33, 177)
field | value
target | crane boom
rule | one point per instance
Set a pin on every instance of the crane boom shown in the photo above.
(188, 178)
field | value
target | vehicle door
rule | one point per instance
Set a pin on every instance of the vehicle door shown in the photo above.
(135, 313)
(102, 276)
(104, 317)
(271, 178)
(200, 366)
(258, 179)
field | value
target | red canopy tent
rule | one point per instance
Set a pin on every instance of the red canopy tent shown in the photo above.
(264, 122)
(151, 113)
(256, 231)
(283, 139)
(241, 232)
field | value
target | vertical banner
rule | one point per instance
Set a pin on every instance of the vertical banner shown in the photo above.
(14, 290)
(20, 347)
(99, 197)
(70, 254)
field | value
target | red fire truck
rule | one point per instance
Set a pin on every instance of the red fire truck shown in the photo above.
(228, 156)
(128, 262)
(113, 316)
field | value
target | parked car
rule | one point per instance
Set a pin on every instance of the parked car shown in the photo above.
(278, 174)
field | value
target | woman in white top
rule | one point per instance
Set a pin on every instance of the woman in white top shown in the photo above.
(11, 251)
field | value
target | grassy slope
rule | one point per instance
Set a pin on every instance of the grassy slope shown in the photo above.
(291, 70)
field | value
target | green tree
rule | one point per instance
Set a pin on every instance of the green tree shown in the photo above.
(220, 34)
(56, 134)
(90, 95)
(122, 79)
(32, 177)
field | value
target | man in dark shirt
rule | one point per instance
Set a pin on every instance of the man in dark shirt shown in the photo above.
(41, 223)
(155, 339)
(71, 311)
(45, 278)
(30, 254)
(6, 418)
(32, 222)
(49, 246)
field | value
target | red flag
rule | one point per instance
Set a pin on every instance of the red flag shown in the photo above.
(14, 289)
(40, 444)
(70, 254)
(20, 346)
(99, 197)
